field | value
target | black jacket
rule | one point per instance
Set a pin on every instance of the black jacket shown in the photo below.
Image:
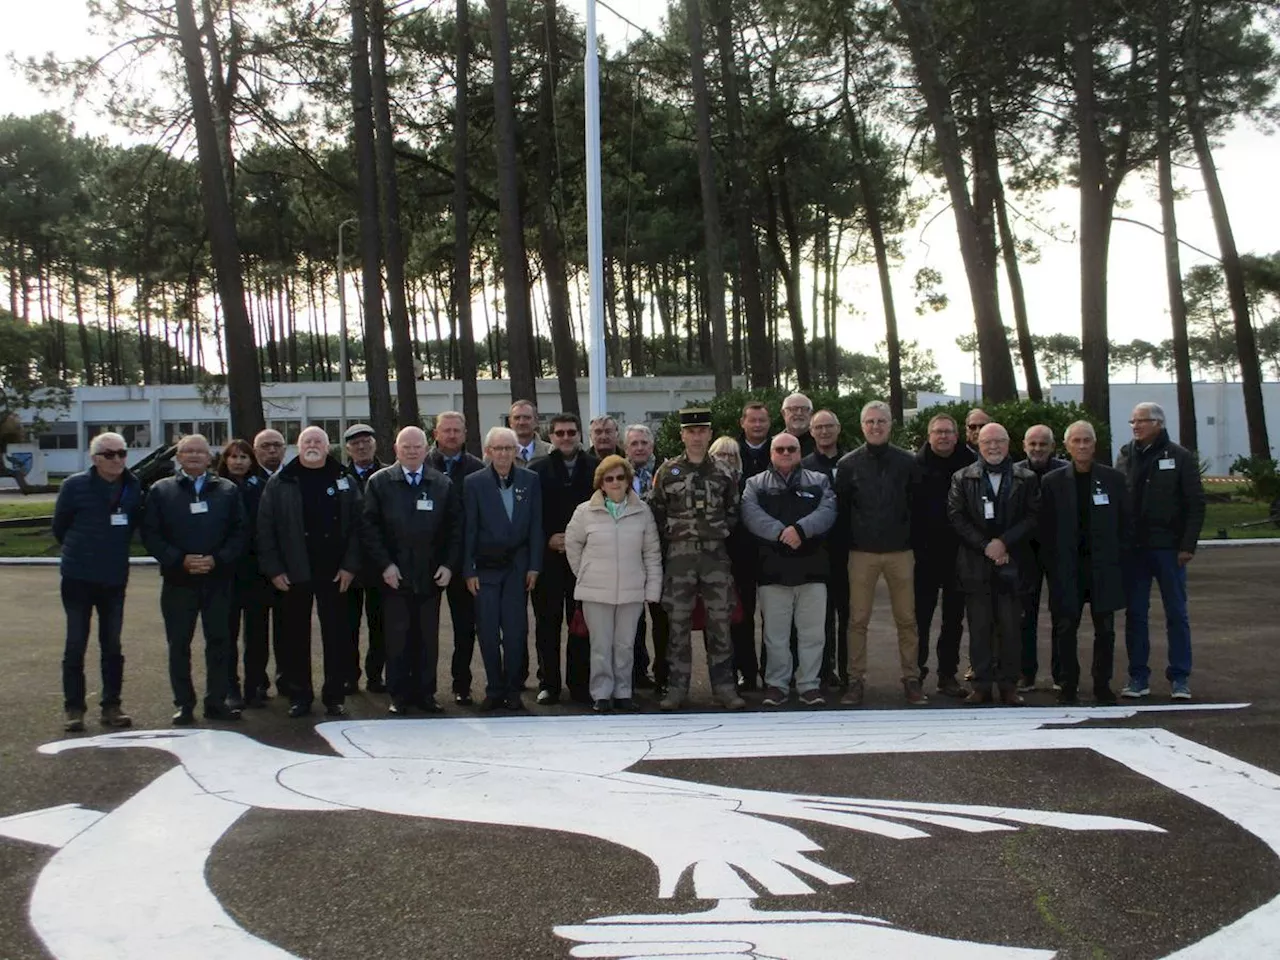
(753, 461)
(93, 548)
(1166, 496)
(838, 537)
(171, 530)
(361, 481)
(932, 536)
(282, 533)
(393, 529)
(561, 493)
(1017, 508)
(1106, 539)
(468, 465)
(366, 576)
(874, 490)
(251, 488)
(803, 500)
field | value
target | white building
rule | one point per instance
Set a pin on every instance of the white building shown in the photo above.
(148, 417)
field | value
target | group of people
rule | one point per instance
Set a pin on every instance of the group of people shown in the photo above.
(596, 531)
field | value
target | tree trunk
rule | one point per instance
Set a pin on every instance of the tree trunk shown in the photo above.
(998, 383)
(1188, 429)
(744, 234)
(244, 391)
(392, 235)
(789, 268)
(376, 369)
(515, 292)
(1009, 249)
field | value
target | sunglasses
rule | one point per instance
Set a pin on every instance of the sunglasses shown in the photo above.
(617, 478)
(974, 426)
(786, 449)
(112, 454)
(566, 433)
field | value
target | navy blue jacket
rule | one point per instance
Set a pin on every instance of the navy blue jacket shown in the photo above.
(92, 548)
(489, 538)
(171, 531)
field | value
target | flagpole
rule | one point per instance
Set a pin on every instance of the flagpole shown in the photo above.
(595, 242)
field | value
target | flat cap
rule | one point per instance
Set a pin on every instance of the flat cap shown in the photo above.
(358, 430)
(695, 417)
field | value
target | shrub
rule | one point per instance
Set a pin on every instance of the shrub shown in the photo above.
(1261, 473)
(1015, 416)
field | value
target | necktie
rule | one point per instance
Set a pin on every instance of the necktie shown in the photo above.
(413, 479)
(524, 454)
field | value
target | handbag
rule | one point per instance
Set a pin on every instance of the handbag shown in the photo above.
(578, 624)
(700, 611)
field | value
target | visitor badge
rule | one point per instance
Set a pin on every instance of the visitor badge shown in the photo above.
(119, 520)
(1167, 463)
(344, 484)
(200, 506)
(1101, 500)
(988, 510)
(426, 504)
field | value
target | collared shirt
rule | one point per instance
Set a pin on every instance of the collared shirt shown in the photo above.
(451, 462)
(525, 453)
(412, 477)
(197, 483)
(363, 472)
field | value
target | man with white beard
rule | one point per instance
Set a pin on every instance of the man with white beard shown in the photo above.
(309, 548)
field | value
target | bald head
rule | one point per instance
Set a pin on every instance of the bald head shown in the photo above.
(1037, 444)
(268, 447)
(993, 443)
(411, 448)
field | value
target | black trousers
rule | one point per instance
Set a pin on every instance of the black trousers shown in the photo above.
(1030, 630)
(553, 605)
(462, 615)
(661, 641)
(251, 604)
(835, 652)
(207, 599)
(995, 624)
(80, 598)
(746, 664)
(932, 578)
(365, 603)
(1066, 628)
(639, 653)
(412, 625)
(330, 605)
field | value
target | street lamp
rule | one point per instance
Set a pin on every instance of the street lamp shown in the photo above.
(342, 327)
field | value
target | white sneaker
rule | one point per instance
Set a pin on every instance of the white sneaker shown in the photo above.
(1133, 691)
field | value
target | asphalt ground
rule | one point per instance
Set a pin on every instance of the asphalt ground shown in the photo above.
(328, 885)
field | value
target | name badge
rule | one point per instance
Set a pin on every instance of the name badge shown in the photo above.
(119, 519)
(426, 505)
(988, 510)
(200, 506)
(1167, 464)
(1101, 500)
(344, 484)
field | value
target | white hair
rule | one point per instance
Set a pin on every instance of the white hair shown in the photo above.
(878, 405)
(500, 433)
(191, 438)
(798, 396)
(97, 443)
(452, 415)
(604, 421)
(641, 429)
(421, 434)
(1152, 410)
(313, 429)
(1082, 426)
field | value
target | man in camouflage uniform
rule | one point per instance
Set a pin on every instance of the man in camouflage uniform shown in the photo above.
(695, 502)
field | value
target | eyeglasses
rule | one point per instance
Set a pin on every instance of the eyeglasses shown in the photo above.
(974, 426)
(942, 431)
(565, 433)
(875, 423)
(822, 426)
(1134, 423)
(786, 449)
(270, 444)
(112, 454)
(797, 409)
(503, 449)
(615, 478)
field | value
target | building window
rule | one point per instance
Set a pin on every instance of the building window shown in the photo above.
(54, 436)
(217, 432)
(137, 436)
(289, 429)
(333, 427)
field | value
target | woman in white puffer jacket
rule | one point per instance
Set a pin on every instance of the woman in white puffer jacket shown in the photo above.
(613, 549)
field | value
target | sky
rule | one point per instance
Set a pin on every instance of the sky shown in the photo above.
(1136, 292)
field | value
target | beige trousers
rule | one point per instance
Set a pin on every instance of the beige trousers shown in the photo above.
(865, 569)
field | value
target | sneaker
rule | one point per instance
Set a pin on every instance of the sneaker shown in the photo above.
(75, 721)
(911, 690)
(1026, 685)
(1134, 690)
(729, 699)
(113, 716)
(853, 696)
(672, 700)
(774, 697)
(813, 698)
(1181, 691)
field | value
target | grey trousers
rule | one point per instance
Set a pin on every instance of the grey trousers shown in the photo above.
(806, 606)
(613, 636)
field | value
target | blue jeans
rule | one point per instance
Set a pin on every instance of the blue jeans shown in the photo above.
(79, 599)
(1161, 566)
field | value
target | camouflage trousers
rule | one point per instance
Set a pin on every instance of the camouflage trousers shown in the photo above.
(693, 568)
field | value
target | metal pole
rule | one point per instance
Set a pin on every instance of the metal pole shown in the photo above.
(595, 243)
(342, 330)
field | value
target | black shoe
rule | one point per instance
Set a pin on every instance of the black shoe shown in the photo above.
(398, 708)
(297, 710)
(548, 698)
(514, 702)
(221, 714)
(582, 697)
(1067, 698)
(375, 686)
(625, 705)
(602, 706)
(463, 699)
(429, 705)
(748, 686)
(1105, 696)
(642, 681)
(235, 701)
(660, 691)
(185, 717)
(254, 703)
(335, 710)
(489, 704)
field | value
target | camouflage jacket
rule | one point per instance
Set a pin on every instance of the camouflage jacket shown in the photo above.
(694, 501)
